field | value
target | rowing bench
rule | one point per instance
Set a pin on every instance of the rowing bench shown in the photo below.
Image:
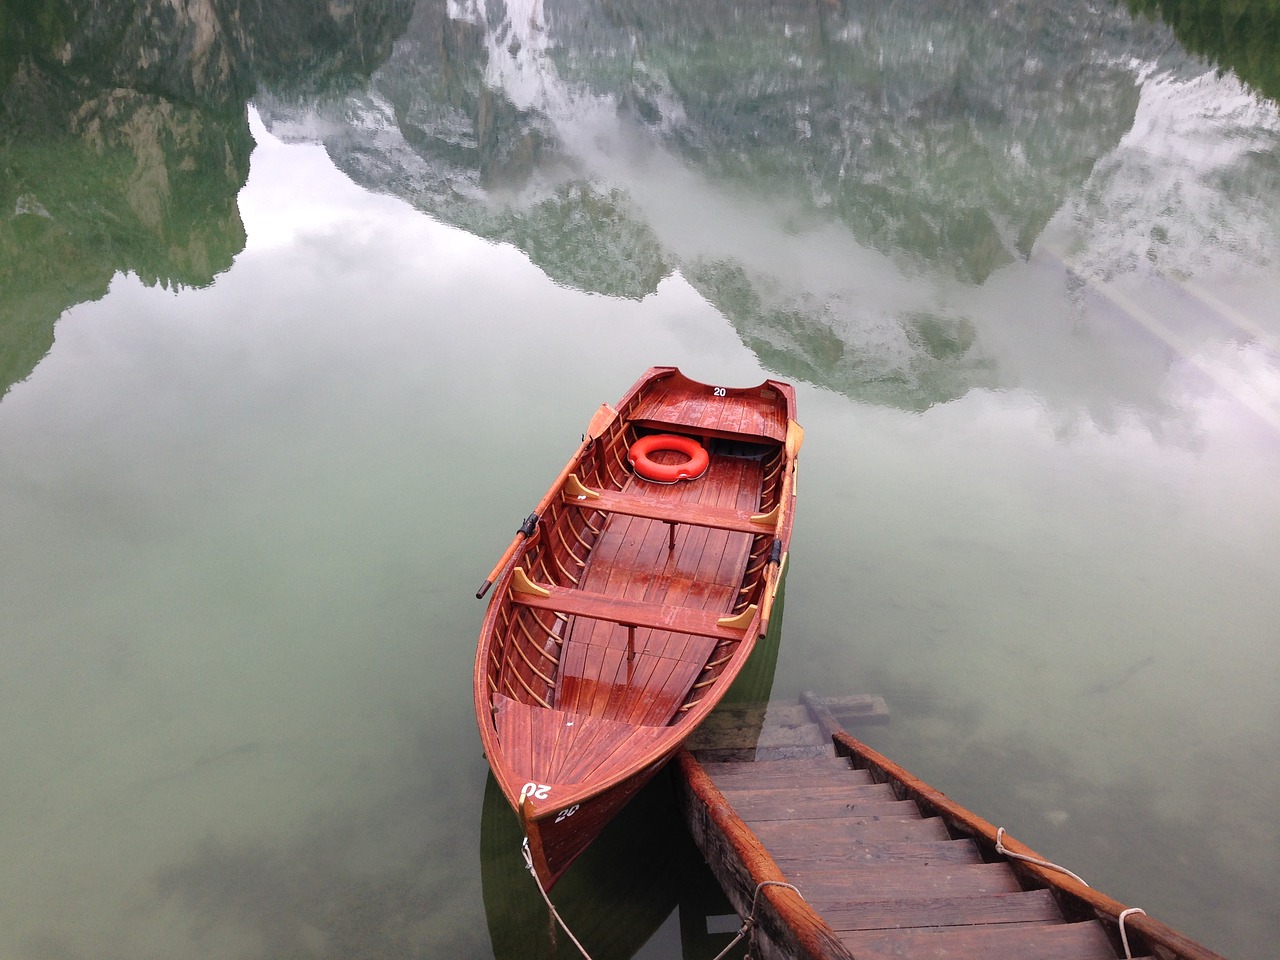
(629, 613)
(576, 494)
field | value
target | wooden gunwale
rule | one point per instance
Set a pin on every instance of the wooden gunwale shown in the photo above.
(782, 913)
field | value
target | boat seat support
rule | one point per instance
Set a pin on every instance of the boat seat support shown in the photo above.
(576, 494)
(629, 613)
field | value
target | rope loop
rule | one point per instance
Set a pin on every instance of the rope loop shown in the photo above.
(1124, 937)
(1005, 851)
(749, 922)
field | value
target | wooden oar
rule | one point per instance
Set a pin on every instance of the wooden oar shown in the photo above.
(795, 437)
(773, 580)
(526, 530)
(778, 559)
(599, 421)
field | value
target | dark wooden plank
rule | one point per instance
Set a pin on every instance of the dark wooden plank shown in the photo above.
(856, 709)
(814, 776)
(847, 883)
(818, 850)
(1023, 907)
(826, 809)
(1072, 941)
(764, 769)
(907, 826)
(746, 799)
(883, 888)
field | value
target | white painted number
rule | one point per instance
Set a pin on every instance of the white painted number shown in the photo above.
(538, 791)
(717, 391)
(566, 813)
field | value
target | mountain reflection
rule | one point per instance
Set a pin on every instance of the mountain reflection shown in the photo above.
(823, 174)
(791, 160)
(124, 139)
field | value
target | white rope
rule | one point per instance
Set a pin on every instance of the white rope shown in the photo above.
(1124, 937)
(748, 924)
(1124, 914)
(528, 862)
(1001, 848)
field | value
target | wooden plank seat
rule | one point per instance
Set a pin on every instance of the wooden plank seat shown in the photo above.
(630, 613)
(576, 494)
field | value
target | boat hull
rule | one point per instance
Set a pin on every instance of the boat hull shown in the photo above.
(557, 837)
(624, 608)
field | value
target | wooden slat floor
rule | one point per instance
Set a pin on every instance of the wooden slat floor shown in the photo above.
(703, 572)
(888, 881)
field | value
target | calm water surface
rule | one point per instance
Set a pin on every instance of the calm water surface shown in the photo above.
(242, 519)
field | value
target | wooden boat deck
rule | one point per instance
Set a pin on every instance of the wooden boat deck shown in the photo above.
(624, 609)
(882, 870)
(646, 614)
(709, 415)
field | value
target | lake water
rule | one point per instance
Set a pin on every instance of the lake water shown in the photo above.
(242, 520)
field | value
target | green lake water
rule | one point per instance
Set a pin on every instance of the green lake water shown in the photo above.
(284, 377)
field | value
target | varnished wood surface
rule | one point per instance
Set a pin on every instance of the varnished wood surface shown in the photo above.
(625, 608)
(703, 412)
(695, 583)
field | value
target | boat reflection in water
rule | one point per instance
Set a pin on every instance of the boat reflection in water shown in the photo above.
(642, 889)
(614, 899)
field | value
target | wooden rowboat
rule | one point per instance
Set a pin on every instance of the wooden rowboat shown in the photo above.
(625, 607)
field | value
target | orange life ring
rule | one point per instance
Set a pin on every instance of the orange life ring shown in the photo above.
(695, 465)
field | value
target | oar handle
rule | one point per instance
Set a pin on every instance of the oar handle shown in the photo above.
(771, 583)
(526, 530)
(602, 418)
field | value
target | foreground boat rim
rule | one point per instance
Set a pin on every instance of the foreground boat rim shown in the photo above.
(624, 608)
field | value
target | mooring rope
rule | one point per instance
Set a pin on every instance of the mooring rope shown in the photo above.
(749, 922)
(1124, 914)
(1001, 848)
(528, 862)
(1124, 937)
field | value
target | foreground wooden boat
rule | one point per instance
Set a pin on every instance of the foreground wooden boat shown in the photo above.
(625, 607)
